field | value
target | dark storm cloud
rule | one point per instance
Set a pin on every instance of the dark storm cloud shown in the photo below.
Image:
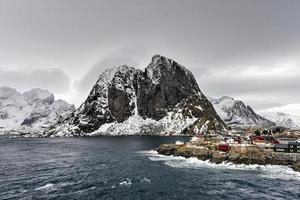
(216, 39)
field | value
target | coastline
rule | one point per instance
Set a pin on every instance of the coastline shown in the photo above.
(247, 156)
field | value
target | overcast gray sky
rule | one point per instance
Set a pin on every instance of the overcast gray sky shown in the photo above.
(247, 49)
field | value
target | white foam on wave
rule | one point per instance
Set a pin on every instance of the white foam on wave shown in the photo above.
(145, 180)
(154, 156)
(51, 186)
(45, 187)
(126, 182)
(267, 171)
(65, 184)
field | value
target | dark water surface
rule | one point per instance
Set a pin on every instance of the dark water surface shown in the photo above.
(126, 168)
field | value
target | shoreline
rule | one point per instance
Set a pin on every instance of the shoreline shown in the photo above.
(91, 136)
(248, 156)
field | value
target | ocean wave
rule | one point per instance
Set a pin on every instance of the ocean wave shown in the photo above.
(145, 180)
(51, 186)
(154, 156)
(126, 182)
(45, 187)
(267, 171)
(129, 181)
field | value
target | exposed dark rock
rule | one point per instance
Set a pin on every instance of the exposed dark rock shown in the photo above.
(165, 84)
(296, 166)
(248, 156)
(119, 104)
(123, 92)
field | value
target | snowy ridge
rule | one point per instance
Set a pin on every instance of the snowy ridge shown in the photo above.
(236, 113)
(31, 111)
(283, 119)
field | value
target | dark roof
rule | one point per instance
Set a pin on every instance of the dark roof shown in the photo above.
(280, 146)
(294, 143)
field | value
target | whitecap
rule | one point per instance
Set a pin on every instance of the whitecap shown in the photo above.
(45, 187)
(266, 171)
(64, 184)
(145, 179)
(126, 182)
(154, 156)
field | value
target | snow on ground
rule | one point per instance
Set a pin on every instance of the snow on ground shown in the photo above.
(135, 125)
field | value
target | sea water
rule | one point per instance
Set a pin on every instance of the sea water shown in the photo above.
(129, 168)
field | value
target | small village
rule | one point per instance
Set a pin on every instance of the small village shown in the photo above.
(278, 139)
(274, 146)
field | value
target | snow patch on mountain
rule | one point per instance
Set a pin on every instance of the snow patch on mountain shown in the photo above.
(136, 125)
(236, 113)
(164, 98)
(283, 119)
(30, 111)
(38, 94)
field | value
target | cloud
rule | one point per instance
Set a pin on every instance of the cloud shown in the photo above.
(262, 87)
(124, 55)
(293, 109)
(55, 80)
(90, 78)
(246, 49)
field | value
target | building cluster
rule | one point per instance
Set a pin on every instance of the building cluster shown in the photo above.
(278, 140)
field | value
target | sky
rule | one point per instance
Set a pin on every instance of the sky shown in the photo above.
(249, 49)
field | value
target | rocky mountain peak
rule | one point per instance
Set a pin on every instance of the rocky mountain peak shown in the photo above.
(164, 71)
(281, 114)
(237, 113)
(39, 94)
(224, 98)
(160, 66)
(30, 111)
(283, 119)
(158, 60)
(165, 95)
(108, 74)
(6, 92)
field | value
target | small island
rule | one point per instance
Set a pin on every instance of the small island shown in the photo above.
(238, 149)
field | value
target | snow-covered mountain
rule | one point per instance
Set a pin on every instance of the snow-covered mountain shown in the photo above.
(283, 119)
(164, 98)
(236, 113)
(30, 111)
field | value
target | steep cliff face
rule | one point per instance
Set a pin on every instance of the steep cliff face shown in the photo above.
(164, 84)
(236, 113)
(31, 111)
(164, 98)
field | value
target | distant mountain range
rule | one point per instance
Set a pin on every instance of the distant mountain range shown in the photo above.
(163, 99)
(236, 113)
(283, 119)
(31, 111)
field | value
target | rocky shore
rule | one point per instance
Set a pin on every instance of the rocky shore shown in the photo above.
(237, 155)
